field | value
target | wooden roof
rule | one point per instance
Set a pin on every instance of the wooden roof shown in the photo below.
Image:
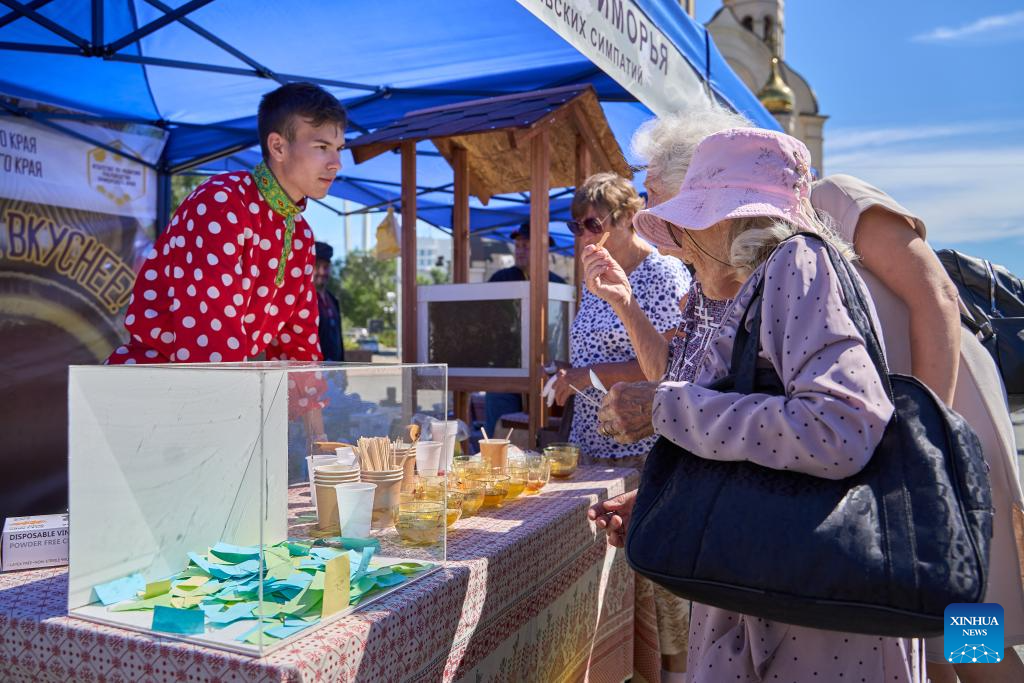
(496, 131)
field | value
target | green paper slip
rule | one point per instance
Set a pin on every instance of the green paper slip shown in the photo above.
(156, 588)
(160, 600)
(233, 554)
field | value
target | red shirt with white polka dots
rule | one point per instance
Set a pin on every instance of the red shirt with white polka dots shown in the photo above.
(206, 291)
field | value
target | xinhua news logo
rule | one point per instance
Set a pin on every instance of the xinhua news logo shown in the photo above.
(974, 633)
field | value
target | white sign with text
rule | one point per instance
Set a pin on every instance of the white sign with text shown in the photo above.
(618, 37)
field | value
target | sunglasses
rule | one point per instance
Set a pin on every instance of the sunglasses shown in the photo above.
(590, 224)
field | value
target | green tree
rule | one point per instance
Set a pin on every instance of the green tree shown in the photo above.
(437, 276)
(365, 283)
(182, 186)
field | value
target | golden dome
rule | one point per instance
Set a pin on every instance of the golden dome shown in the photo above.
(776, 96)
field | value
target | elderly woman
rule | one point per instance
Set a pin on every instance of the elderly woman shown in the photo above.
(603, 207)
(919, 313)
(746, 191)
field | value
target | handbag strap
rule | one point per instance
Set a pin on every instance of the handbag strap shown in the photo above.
(743, 366)
(747, 344)
(859, 312)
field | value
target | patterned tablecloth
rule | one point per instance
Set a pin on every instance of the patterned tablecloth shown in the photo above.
(531, 592)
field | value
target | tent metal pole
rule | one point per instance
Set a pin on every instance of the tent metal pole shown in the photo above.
(73, 133)
(32, 47)
(52, 26)
(152, 26)
(97, 22)
(14, 16)
(267, 73)
(163, 199)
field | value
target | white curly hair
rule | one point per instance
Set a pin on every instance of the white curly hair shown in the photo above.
(666, 144)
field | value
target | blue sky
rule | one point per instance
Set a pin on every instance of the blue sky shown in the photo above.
(926, 101)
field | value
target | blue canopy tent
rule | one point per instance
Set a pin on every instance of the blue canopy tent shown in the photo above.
(197, 69)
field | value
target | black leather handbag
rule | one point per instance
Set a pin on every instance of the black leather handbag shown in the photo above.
(993, 299)
(882, 552)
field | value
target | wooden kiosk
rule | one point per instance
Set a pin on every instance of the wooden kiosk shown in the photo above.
(516, 143)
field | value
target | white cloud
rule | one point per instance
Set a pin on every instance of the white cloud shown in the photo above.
(843, 140)
(963, 193)
(998, 24)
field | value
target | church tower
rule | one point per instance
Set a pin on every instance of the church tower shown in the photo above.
(751, 36)
(763, 18)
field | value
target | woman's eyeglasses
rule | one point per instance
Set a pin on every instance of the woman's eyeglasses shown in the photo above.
(591, 224)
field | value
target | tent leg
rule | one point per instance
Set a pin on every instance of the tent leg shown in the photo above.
(163, 200)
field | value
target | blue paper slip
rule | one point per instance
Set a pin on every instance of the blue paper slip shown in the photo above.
(287, 630)
(243, 610)
(118, 590)
(183, 621)
(235, 553)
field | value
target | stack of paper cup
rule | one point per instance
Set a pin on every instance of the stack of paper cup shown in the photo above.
(386, 497)
(314, 461)
(445, 432)
(428, 457)
(325, 478)
(355, 508)
(405, 457)
(346, 456)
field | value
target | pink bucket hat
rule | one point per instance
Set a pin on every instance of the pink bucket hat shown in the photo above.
(737, 173)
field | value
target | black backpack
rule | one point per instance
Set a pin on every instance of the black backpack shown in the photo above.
(994, 301)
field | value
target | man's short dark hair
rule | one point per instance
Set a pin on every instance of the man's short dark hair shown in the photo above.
(279, 108)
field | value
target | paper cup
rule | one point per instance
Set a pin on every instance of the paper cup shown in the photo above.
(313, 461)
(428, 457)
(445, 432)
(326, 507)
(346, 456)
(494, 452)
(355, 508)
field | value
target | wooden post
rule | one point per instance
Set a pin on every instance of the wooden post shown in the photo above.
(582, 173)
(409, 349)
(460, 246)
(540, 168)
(460, 216)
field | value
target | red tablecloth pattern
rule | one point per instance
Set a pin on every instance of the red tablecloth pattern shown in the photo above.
(530, 592)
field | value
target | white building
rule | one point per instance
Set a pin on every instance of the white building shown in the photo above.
(429, 250)
(749, 33)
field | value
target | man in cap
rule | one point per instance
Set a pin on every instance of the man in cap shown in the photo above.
(498, 404)
(521, 270)
(330, 308)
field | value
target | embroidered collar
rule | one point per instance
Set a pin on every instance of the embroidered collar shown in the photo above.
(283, 206)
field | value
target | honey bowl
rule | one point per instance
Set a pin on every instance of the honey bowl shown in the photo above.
(495, 487)
(453, 507)
(538, 474)
(518, 478)
(420, 522)
(472, 497)
(564, 458)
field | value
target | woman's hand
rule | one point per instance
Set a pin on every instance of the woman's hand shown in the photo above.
(613, 516)
(625, 413)
(577, 377)
(605, 278)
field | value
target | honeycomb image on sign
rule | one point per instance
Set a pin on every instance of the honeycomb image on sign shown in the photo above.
(116, 177)
(65, 276)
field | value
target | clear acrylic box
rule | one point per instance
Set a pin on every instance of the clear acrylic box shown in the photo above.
(180, 473)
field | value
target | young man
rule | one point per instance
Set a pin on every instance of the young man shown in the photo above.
(232, 275)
